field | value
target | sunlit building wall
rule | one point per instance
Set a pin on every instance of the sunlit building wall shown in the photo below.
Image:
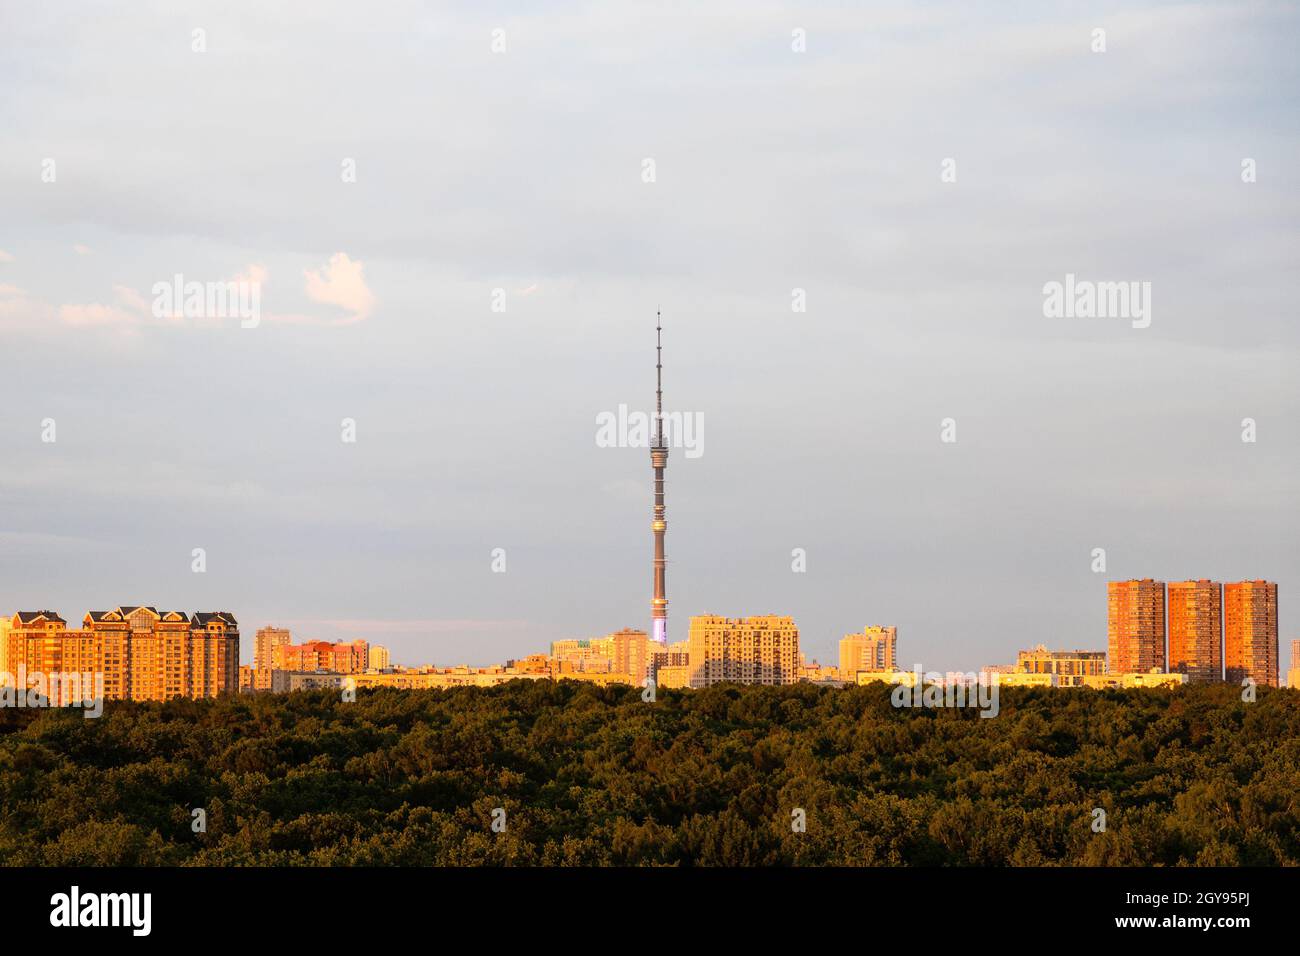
(875, 649)
(753, 650)
(1196, 630)
(1250, 640)
(142, 653)
(1136, 626)
(1068, 667)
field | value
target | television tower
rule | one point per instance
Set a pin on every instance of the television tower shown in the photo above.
(659, 461)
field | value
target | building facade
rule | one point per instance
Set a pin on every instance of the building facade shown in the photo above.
(630, 649)
(1068, 667)
(875, 649)
(265, 642)
(286, 682)
(310, 656)
(1196, 630)
(752, 650)
(1250, 641)
(142, 653)
(1136, 626)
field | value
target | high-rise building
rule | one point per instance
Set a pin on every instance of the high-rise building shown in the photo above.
(875, 649)
(24, 627)
(1196, 630)
(1250, 632)
(142, 653)
(628, 651)
(1293, 675)
(659, 524)
(267, 640)
(752, 650)
(379, 658)
(1136, 626)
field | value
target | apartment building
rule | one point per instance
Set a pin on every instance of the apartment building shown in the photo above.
(752, 650)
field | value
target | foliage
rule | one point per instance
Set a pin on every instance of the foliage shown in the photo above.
(594, 776)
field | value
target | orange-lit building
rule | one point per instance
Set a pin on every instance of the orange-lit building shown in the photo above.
(143, 653)
(875, 649)
(1250, 647)
(1135, 626)
(1196, 630)
(265, 642)
(752, 650)
(337, 657)
(623, 652)
(1068, 667)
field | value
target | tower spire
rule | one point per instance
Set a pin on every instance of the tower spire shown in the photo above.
(659, 461)
(659, 380)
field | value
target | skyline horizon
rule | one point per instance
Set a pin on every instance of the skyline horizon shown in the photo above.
(345, 630)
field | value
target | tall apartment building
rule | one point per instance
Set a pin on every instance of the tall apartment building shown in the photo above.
(32, 627)
(1196, 630)
(752, 650)
(1135, 626)
(1250, 646)
(1293, 675)
(1069, 667)
(630, 648)
(338, 657)
(875, 649)
(379, 658)
(264, 644)
(143, 653)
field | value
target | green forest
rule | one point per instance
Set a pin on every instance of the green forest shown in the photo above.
(574, 774)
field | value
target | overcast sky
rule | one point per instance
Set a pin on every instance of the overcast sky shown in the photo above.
(524, 170)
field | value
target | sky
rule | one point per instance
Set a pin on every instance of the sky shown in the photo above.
(459, 246)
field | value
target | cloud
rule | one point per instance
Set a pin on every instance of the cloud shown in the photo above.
(18, 310)
(130, 298)
(6, 256)
(341, 283)
(253, 272)
(128, 308)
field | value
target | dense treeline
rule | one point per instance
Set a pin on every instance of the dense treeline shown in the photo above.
(590, 775)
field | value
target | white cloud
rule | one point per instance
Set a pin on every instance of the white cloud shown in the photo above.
(128, 308)
(341, 282)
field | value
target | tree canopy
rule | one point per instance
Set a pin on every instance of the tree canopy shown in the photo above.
(588, 775)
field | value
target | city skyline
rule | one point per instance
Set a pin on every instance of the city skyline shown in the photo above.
(776, 185)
